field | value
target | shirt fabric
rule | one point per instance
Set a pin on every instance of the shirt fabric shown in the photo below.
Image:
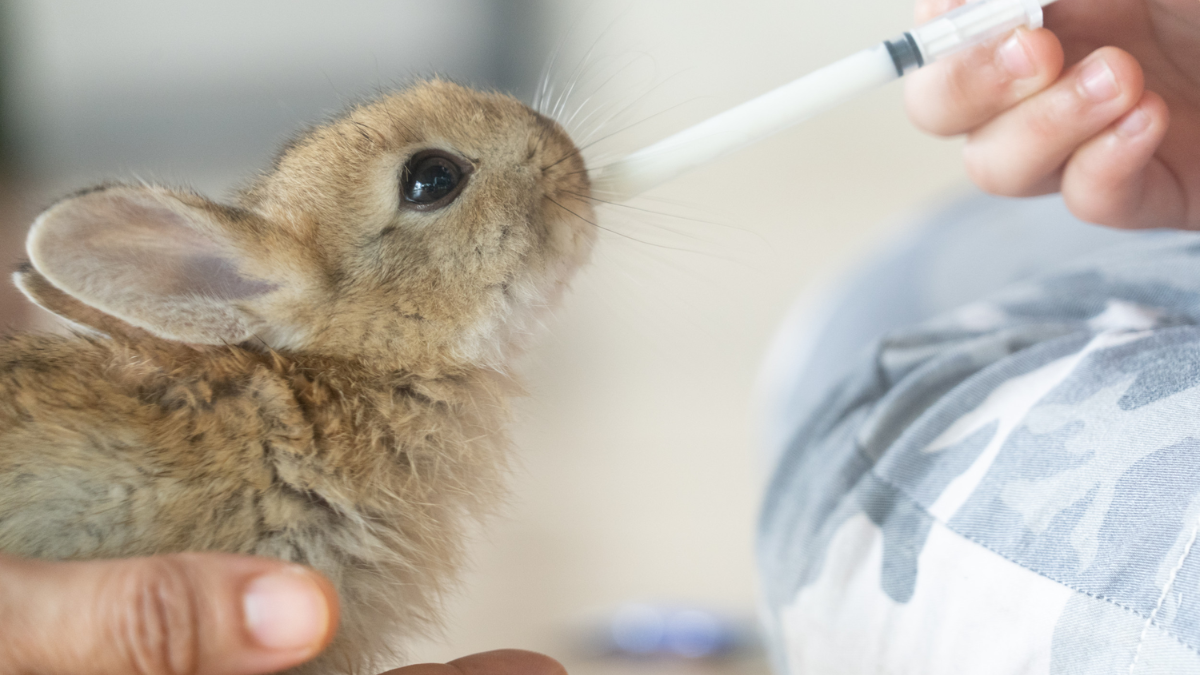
(987, 458)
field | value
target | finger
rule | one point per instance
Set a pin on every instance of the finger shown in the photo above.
(499, 662)
(964, 91)
(1015, 153)
(928, 9)
(189, 614)
(1114, 179)
(509, 662)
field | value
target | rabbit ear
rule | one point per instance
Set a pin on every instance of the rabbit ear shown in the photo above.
(48, 296)
(149, 259)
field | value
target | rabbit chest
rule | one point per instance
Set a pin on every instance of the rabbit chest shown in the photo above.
(109, 449)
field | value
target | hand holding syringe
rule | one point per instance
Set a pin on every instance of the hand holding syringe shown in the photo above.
(1042, 113)
(814, 93)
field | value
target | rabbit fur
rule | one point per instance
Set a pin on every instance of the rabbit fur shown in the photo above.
(317, 373)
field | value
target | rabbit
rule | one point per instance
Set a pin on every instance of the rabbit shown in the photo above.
(318, 373)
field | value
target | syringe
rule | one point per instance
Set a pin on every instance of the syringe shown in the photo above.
(812, 94)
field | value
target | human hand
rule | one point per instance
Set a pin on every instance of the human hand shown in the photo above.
(187, 614)
(1105, 109)
(501, 662)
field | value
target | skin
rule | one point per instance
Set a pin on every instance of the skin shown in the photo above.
(1123, 151)
(181, 615)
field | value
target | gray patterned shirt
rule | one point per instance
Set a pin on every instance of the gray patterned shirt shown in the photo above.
(1012, 486)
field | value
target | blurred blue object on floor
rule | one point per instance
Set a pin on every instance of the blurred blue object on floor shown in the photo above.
(653, 631)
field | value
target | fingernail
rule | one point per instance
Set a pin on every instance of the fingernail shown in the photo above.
(1133, 124)
(1097, 81)
(286, 611)
(1014, 57)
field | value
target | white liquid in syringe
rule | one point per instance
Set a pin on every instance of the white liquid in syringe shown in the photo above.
(732, 130)
(746, 124)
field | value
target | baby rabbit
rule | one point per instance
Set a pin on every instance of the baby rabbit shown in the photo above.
(318, 373)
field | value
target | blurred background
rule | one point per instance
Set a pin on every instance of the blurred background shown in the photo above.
(640, 466)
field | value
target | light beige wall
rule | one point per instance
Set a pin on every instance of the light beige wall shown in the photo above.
(204, 91)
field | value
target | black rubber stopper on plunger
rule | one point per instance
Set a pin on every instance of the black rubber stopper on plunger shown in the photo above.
(906, 55)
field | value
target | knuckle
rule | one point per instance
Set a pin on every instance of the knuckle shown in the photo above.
(1092, 208)
(957, 95)
(980, 168)
(929, 99)
(1002, 174)
(960, 97)
(927, 115)
(157, 628)
(1044, 124)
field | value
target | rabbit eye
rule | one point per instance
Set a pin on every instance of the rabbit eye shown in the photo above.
(432, 179)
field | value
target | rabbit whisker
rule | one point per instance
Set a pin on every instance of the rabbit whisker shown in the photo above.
(618, 69)
(666, 215)
(622, 234)
(597, 90)
(587, 140)
(619, 131)
(583, 66)
(545, 89)
(718, 256)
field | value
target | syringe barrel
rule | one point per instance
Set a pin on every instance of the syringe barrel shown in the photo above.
(746, 124)
(974, 23)
(814, 93)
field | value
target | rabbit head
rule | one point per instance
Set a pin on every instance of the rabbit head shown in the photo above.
(428, 229)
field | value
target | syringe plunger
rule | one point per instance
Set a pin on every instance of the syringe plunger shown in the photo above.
(974, 23)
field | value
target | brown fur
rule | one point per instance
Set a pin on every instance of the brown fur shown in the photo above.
(316, 374)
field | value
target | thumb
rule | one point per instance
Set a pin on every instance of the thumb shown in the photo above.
(186, 614)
